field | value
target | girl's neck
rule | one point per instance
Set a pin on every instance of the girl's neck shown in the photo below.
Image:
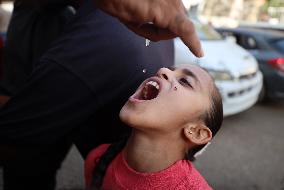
(145, 153)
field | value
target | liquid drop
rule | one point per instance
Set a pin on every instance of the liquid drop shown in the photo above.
(144, 70)
(147, 42)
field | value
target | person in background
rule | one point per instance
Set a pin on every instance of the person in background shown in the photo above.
(172, 115)
(84, 77)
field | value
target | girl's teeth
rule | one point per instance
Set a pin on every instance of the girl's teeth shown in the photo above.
(153, 83)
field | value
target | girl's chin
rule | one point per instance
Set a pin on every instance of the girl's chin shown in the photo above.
(126, 116)
(129, 119)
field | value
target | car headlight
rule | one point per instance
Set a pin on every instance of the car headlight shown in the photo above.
(220, 75)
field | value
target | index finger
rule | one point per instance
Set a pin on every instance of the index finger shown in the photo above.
(151, 32)
(184, 28)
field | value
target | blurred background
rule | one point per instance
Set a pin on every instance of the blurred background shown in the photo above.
(243, 42)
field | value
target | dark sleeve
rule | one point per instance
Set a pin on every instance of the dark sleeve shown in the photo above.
(49, 3)
(53, 104)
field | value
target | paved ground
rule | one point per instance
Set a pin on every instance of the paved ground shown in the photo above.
(247, 154)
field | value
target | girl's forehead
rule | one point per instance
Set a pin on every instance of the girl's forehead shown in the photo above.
(190, 67)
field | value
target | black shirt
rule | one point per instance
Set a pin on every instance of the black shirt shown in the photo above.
(81, 83)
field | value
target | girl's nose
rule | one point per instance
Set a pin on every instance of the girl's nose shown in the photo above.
(165, 73)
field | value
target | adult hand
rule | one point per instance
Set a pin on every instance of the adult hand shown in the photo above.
(155, 20)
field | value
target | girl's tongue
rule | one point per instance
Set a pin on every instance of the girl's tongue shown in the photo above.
(150, 91)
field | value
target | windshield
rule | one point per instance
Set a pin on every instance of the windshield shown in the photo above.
(279, 45)
(206, 32)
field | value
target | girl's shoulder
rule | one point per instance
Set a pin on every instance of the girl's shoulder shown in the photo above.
(92, 159)
(193, 180)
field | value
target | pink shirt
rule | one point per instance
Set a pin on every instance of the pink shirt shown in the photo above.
(182, 175)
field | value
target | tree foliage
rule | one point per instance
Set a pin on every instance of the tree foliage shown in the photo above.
(271, 3)
(275, 3)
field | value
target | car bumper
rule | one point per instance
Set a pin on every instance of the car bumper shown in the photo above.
(239, 95)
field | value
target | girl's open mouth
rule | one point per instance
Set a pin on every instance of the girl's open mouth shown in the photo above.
(149, 91)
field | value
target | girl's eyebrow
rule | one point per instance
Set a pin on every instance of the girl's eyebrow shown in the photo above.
(191, 74)
(186, 72)
(172, 68)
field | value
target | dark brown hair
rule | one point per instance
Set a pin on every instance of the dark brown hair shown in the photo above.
(212, 118)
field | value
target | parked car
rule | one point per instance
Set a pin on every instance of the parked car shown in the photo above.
(267, 47)
(234, 70)
(263, 26)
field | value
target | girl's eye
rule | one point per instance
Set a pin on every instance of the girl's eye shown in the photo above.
(185, 82)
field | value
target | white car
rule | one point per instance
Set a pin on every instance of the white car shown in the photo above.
(234, 70)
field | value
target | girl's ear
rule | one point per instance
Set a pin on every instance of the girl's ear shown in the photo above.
(198, 134)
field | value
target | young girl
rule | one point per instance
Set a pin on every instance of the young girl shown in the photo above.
(173, 115)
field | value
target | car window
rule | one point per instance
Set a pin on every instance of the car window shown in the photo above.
(232, 37)
(206, 32)
(279, 45)
(248, 42)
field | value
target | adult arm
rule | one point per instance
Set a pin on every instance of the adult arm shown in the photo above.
(44, 3)
(51, 106)
(155, 20)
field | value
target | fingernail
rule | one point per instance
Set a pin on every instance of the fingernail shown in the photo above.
(198, 54)
(201, 53)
